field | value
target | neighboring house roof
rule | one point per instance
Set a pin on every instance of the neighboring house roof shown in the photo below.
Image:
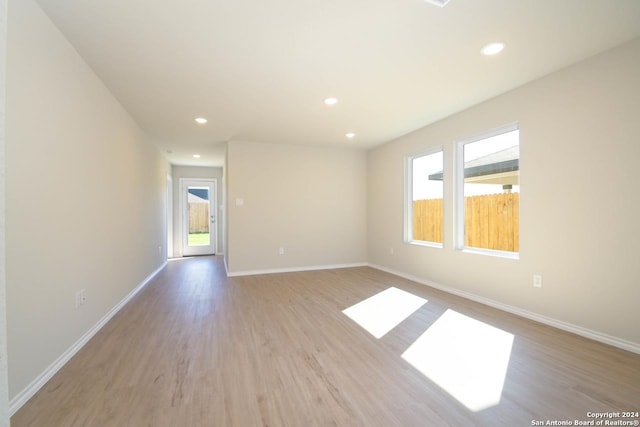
(192, 198)
(500, 162)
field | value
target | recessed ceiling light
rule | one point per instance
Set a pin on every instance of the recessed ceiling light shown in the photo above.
(492, 49)
(201, 120)
(350, 135)
(330, 101)
(439, 3)
(196, 156)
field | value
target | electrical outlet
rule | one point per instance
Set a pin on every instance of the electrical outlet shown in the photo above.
(281, 251)
(390, 251)
(537, 280)
(83, 296)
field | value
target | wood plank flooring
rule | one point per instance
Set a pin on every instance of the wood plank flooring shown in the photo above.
(196, 348)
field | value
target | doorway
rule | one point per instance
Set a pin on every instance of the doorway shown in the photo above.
(199, 208)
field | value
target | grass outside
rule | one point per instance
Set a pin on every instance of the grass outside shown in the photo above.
(199, 239)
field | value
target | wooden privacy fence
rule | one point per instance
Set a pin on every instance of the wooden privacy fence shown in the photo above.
(427, 220)
(491, 221)
(198, 218)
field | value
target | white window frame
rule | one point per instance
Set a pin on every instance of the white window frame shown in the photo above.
(408, 197)
(458, 182)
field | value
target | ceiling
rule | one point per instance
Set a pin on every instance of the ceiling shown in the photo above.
(259, 70)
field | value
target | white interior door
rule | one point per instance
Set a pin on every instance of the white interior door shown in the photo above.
(199, 210)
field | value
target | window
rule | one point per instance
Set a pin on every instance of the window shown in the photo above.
(424, 198)
(488, 192)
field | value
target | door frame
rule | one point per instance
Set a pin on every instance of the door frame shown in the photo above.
(213, 211)
(169, 216)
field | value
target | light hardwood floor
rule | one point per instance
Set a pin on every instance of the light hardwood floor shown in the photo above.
(196, 348)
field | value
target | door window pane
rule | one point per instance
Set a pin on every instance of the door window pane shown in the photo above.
(199, 206)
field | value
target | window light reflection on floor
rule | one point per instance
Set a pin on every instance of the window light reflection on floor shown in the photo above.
(384, 311)
(464, 356)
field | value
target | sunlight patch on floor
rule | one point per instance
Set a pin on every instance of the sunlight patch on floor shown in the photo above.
(383, 311)
(464, 356)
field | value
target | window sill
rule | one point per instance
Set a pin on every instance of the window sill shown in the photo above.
(427, 244)
(490, 252)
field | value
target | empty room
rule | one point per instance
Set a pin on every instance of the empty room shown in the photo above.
(339, 213)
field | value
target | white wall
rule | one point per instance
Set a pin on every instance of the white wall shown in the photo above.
(85, 196)
(309, 201)
(4, 383)
(179, 172)
(580, 208)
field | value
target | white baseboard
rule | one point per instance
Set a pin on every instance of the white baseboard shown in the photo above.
(569, 327)
(292, 269)
(21, 398)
